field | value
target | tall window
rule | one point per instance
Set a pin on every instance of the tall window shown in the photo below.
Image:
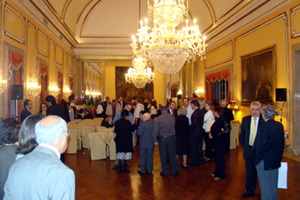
(217, 86)
(219, 90)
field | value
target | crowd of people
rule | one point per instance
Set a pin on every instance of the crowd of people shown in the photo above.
(30, 153)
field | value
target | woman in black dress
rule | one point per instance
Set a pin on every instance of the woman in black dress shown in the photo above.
(123, 139)
(219, 143)
(182, 135)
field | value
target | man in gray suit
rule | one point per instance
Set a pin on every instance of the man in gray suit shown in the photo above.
(40, 174)
(146, 144)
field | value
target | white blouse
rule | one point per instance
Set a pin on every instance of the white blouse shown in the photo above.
(209, 116)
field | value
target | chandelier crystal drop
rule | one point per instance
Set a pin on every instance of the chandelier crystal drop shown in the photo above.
(164, 45)
(140, 75)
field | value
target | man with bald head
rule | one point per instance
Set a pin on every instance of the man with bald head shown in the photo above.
(40, 174)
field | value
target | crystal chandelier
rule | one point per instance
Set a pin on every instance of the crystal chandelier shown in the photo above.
(34, 89)
(139, 75)
(54, 90)
(3, 85)
(167, 48)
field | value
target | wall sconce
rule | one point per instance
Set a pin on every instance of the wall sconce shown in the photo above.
(3, 85)
(67, 91)
(233, 106)
(200, 91)
(33, 88)
(54, 90)
(179, 94)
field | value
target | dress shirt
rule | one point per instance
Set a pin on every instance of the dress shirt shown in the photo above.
(189, 113)
(138, 109)
(71, 114)
(99, 109)
(153, 110)
(164, 125)
(52, 148)
(118, 116)
(257, 121)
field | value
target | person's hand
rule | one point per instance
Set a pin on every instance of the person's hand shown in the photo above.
(156, 143)
(210, 136)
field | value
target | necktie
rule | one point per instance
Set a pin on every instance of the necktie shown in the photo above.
(253, 131)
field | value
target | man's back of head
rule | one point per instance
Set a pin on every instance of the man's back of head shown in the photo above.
(40, 174)
(52, 130)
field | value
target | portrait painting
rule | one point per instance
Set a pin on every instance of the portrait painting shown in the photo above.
(259, 76)
(128, 91)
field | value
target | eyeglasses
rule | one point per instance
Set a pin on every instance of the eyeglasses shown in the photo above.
(67, 133)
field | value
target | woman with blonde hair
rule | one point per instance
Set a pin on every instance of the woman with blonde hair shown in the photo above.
(209, 119)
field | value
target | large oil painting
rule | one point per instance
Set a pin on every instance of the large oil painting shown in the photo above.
(259, 76)
(128, 91)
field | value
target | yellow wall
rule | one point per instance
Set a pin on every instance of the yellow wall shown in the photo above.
(110, 83)
(24, 36)
(276, 31)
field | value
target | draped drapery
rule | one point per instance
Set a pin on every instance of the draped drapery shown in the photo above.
(15, 77)
(212, 78)
(60, 86)
(71, 82)
(44, 78)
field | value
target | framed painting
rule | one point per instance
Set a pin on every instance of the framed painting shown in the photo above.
(259, 76)
(128, 91)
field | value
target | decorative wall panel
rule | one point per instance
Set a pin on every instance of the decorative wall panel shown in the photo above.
(14, 24)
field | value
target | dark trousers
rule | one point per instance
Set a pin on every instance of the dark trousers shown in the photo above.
(196, 149)
(167, 149)
(208, 146)
(227, 148)
(146, 159)
(251, 174)
(219, 162)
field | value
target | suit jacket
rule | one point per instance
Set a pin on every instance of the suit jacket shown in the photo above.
(228, 115)
(245, 134)
(269, 144)
(145, 132)
(175, 112)
(24, 114)
(7, 158)
(40, 175)
(197, 122)
(55, 109)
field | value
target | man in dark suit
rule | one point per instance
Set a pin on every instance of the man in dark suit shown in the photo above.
(104, 105)
(121, 102)
(146, 144)
(55, 109)
(228, 117)
(249, 129)
(26, 111)
(267, 149)
(172, 110)
(196, 131)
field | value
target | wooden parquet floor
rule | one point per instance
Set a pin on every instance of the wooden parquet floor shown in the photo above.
(97, 180)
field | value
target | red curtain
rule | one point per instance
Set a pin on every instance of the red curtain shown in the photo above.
(43, 81)
(211, 78)
(60, 86)
(71, 82)
(15, 77)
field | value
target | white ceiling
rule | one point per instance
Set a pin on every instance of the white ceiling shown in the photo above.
(104, 27)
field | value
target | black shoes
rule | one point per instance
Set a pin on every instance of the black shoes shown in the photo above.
(184, 166)
(248, 195)
(163, 175)
(175, 174)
